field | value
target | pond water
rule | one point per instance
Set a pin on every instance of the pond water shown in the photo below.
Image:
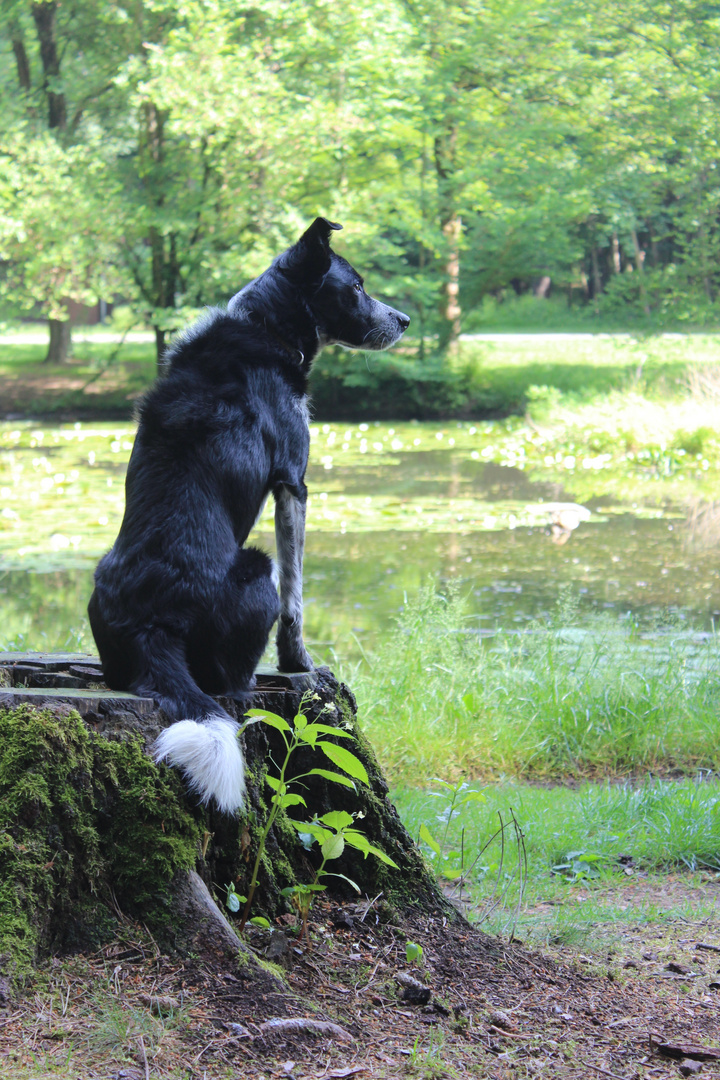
(510, 518)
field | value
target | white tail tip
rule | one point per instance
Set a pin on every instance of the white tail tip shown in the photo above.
(209, 754)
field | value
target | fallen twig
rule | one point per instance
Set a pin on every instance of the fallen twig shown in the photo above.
(596, 1068)
(144, 1057)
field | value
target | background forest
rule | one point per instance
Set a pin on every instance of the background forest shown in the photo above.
(162, 151)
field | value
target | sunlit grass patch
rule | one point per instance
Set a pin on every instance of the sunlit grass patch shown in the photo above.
(593, 852)
(570, 699)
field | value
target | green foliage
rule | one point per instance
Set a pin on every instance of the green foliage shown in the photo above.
(166, 157)
(413, 952)
(332, 831)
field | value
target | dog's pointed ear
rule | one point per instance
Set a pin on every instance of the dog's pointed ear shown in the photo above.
(310, 257)
(319, 232)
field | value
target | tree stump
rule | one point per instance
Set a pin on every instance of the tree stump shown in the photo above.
(92, 831)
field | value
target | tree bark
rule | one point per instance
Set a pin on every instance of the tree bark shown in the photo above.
(95, 823)
(22, 63)
(596, 277)
(445, 146)
(452, 230)
(45, 15)
(640, 267)
(45, 18)
(163, 253)
(60, 346)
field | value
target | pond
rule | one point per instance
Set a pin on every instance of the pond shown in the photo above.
(492, 506)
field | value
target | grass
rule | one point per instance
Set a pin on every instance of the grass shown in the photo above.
(510, 725)
(559, 701)
(584, 846)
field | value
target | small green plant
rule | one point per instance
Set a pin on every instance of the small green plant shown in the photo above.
(332, 830)
(450, 863)
(413, 952)
(578, 866)
(234, 901)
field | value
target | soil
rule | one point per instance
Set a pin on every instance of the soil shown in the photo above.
(495, 1009)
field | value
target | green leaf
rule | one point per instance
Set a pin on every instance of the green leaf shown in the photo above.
(272, 782)
(345, 760)
(380, 854)
(312, 828)
(472, 796)
(413, 952)
(333, 847)
(290, 799)
(309, 734)
(259, 920)
(270, 718)
(338, 778)
(337, 819)
(357, 840)
(300, 722)
(339, 733)
(328, 873)
(427, 838)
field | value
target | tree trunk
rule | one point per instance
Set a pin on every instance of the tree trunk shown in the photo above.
(44, 15)
(22, 64)
(640, 266)
(445, 146)
(596, 277)
(452, 231)
(163, 264)
(160, 346)
(60, 347)
(96, 826)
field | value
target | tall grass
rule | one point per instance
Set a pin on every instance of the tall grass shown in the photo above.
(576, 697)
(581, 833)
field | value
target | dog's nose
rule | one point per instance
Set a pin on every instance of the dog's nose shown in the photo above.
(404, 320)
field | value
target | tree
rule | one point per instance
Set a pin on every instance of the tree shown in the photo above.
(53, 168)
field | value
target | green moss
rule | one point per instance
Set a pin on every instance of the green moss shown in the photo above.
(148, 832)
(79, 815)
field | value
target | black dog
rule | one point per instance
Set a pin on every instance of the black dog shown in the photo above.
(181, 610)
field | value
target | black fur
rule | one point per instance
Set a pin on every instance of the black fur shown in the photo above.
(182, 610)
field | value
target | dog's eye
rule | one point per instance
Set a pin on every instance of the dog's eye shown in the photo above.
(358, 286)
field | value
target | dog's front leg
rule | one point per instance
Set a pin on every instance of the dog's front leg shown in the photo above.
(290, 540)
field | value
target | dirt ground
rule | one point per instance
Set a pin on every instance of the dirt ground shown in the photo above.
(71, 392)
(470, 1006)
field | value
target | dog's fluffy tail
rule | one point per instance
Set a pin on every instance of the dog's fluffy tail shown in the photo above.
(209, 754)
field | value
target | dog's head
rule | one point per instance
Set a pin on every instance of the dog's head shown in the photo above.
(331, 291)
(335, 292)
